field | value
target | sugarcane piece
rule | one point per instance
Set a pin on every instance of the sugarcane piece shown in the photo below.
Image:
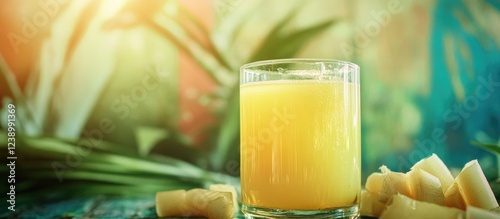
(227, 188)
(211, 204)
(436, 167)
(168, 203)
(479, 213)
(365, 205)
(475, 188)
(394, 183)
(374, 182)
(453, 197)
(402, 206)
(195, 202)
(369, 205)
(425, 187)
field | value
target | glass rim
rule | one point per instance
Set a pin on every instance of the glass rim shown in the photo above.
(298, 60)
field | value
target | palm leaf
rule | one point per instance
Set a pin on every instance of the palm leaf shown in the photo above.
(275, 46)
(113, 168)
(54, 149)
(11, 81)
(207, 61)
(104, 171)
(106, 177)
(84, 78)
(80, 27)
(148, 137)
(229, 132)
(211, 48)
(493, 148)
(54, 54)
(24, 114)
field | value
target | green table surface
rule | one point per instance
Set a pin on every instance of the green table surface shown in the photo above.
(97, 207)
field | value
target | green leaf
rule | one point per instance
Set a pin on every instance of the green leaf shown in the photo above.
(11, 81)
(99, 166)
(79, 28)
(178, 34)
(57, 149)
(54, 145)
(146, 71)
(286, 45)
(278, 44)
(493, 148)
(124, 179)
(24, 116)
(273, 38)
(84, 78)
(201, 28)
(53, 55)
(229, 132)
(148, 137)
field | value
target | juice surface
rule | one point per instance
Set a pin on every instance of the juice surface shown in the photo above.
(300, 144)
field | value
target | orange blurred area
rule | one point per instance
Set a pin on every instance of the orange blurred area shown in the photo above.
(25, 25)
(193, 82)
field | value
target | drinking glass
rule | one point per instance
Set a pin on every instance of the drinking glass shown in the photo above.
(300, 139)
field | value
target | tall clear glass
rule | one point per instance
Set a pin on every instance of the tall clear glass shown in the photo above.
(300, 139)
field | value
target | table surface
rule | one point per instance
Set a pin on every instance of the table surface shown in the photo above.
(98, 207)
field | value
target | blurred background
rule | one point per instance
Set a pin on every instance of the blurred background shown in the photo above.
(137, 96)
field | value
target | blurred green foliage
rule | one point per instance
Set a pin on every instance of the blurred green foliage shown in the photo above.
(108, 76)
(67, 145)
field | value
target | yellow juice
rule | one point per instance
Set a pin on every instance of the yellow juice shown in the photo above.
(300, 144)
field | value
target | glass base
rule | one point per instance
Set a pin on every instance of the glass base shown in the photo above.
(267, 213)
